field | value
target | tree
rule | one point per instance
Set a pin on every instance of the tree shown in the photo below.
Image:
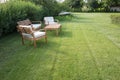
(108, 3)
(51, 6)
(74, 4)
(94, 5)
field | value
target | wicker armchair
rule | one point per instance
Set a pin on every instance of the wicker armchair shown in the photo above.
(36, 25)
(28, 34)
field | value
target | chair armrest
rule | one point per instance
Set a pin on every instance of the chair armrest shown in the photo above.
(17, 28)
(56, 20)
(42, 29)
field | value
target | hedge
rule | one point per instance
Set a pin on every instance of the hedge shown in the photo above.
(11, 12)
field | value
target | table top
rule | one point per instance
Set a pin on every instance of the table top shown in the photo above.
(53, 26)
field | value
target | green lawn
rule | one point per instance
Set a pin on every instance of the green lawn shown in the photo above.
(88, 48)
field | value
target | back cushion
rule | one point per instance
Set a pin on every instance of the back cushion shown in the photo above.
(27, 21)
(21, 23)
(24, 22)
(25, 29)
(49, 19)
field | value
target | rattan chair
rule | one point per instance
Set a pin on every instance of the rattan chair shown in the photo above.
(36, 25)
(28, 34)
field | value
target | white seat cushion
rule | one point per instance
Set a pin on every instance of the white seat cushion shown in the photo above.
(36, 26)
(37, 34)
(49, 20)
(27, 26)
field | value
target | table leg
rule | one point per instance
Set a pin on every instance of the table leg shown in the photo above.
(57, 32)
(60, 28)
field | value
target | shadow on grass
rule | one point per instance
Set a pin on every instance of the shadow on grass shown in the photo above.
(49, 45)
(62, 33)
(65, 33)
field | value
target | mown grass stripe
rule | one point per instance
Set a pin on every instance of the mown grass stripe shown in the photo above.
(89, 45)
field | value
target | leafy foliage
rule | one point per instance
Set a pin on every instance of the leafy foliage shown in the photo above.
(52, 7)
(75, 5)
(91, 5)
(11, 12)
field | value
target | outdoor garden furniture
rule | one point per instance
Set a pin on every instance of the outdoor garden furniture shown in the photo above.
(36, 25)
(52, 24)
(28, 33)
(56, 27)
(50, 20)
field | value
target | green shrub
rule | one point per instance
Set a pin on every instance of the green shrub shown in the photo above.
(115, 19)
(51, 7)
(11, 12)
(65, 17)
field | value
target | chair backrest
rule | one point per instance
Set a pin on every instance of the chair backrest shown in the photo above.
(48, 19)
(24, 22)
(25, 29)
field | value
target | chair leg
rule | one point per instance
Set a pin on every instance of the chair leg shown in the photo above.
(35, 43)
(46, 39)
(60, 28)
(22, 41)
